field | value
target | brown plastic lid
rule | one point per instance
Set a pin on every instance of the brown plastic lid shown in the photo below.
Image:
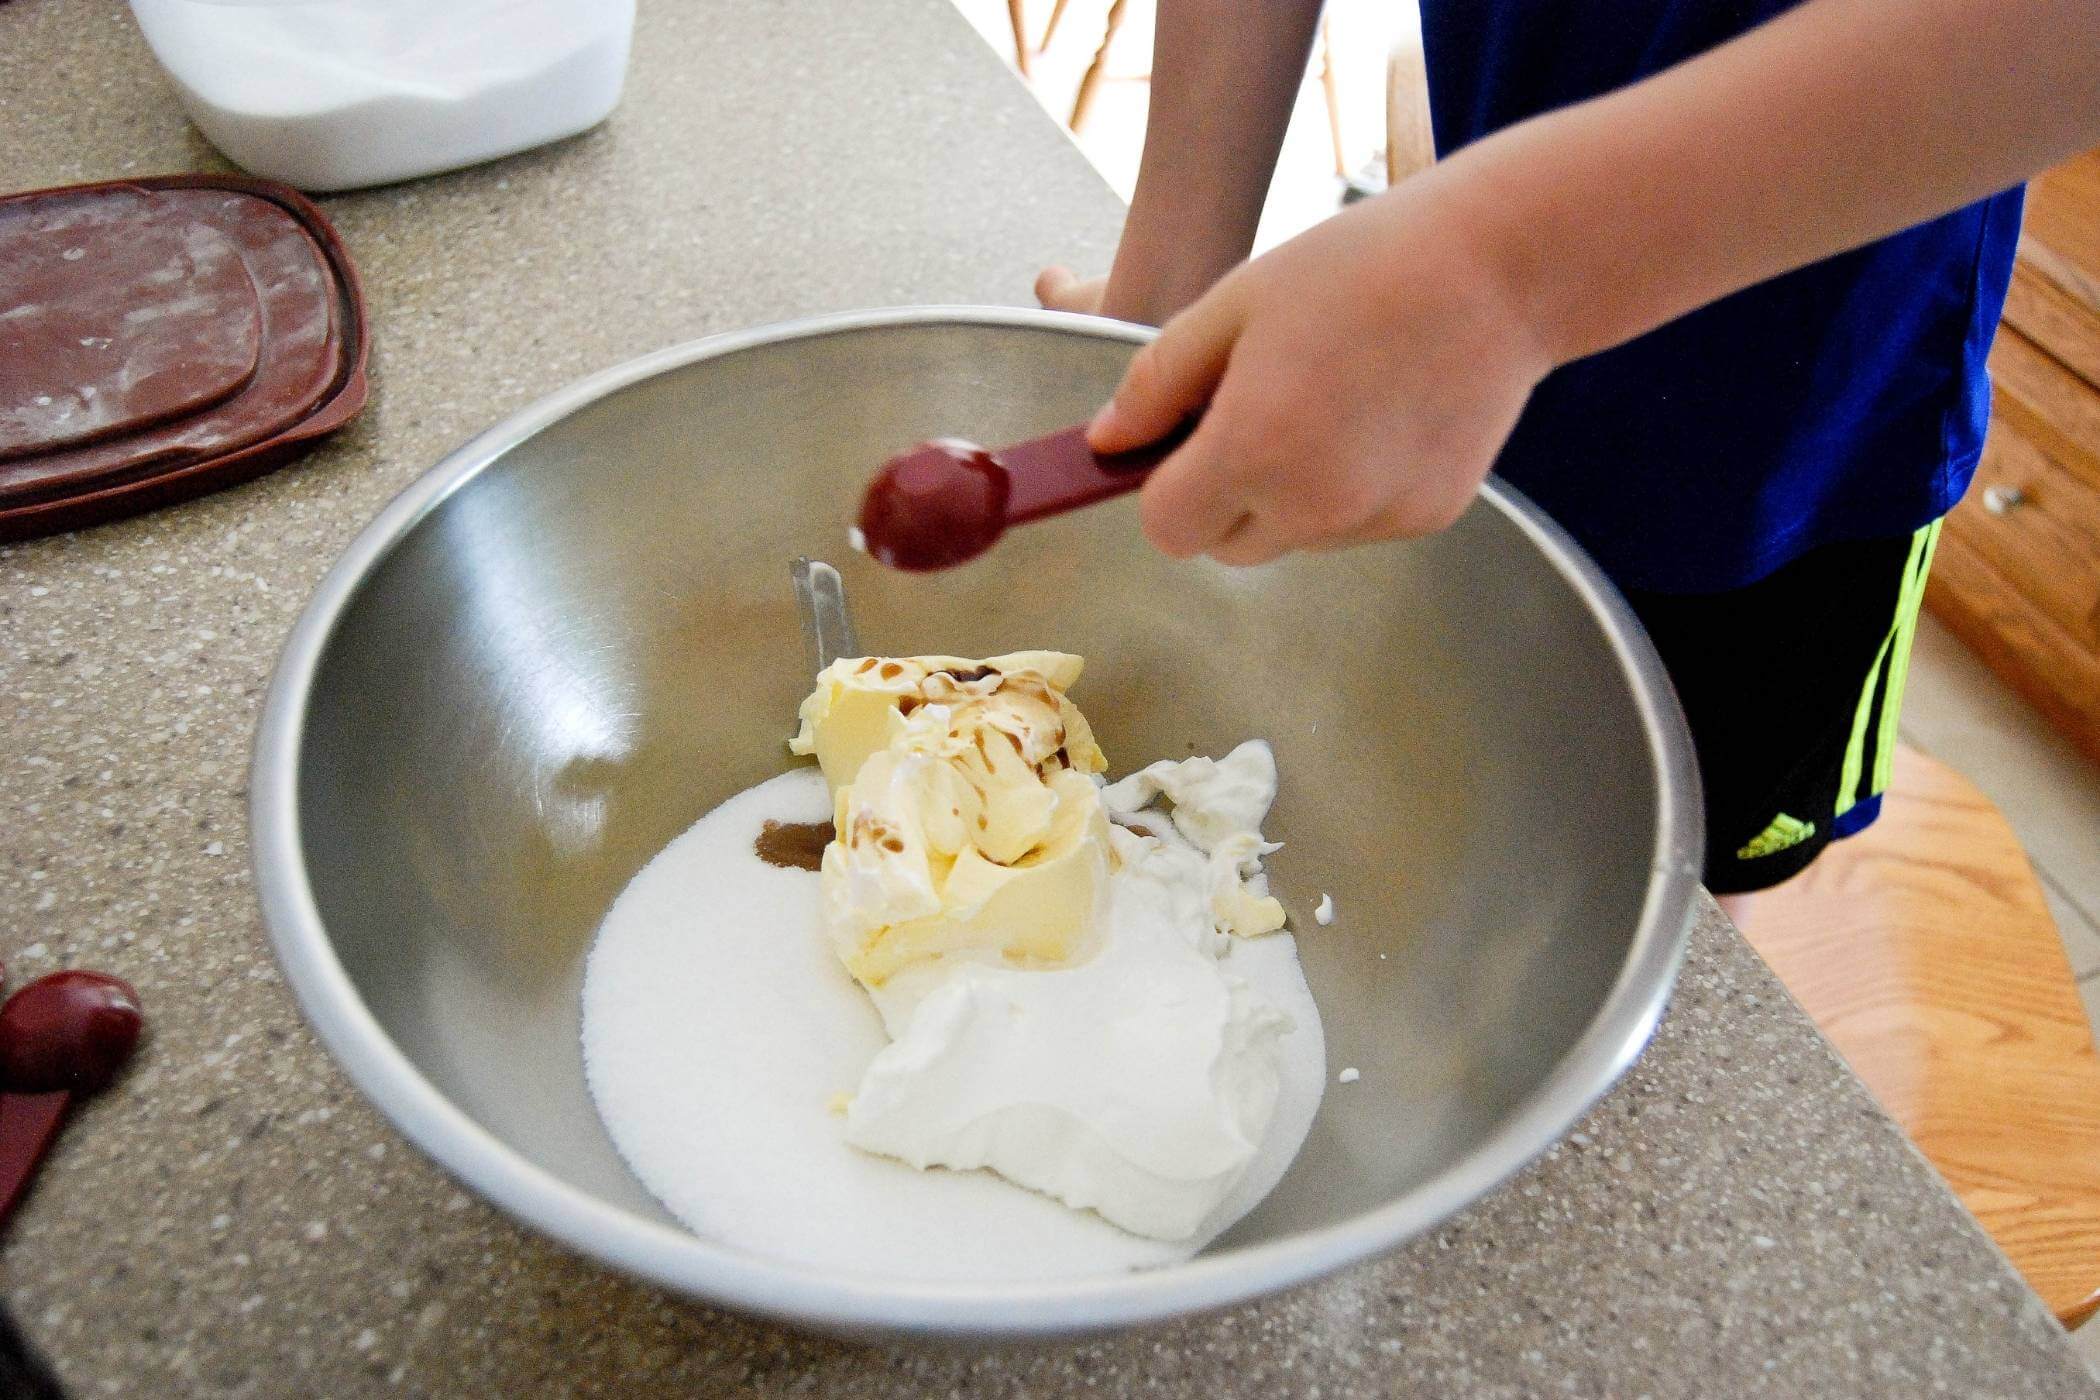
(163, 338)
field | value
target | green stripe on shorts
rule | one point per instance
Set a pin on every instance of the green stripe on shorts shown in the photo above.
(1893, 657)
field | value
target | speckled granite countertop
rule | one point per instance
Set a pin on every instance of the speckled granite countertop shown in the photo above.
(1737, 1218)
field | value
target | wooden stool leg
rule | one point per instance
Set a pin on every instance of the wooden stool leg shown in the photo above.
(1057, 12)
(1334, 104)
(1087, 84)
(1019, 21)
(1923, 948)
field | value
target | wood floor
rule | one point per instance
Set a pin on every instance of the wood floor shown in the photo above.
(1924, 950)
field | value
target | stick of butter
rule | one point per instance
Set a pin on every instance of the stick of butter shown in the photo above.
(966, 820)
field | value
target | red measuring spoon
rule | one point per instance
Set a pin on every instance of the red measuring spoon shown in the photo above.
(947, 501)
(65, 1034)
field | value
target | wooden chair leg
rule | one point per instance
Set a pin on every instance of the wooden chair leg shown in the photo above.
(1092, 80)
(1019, 21)
(1410, 144)
(1334, 102)
(1057, 12)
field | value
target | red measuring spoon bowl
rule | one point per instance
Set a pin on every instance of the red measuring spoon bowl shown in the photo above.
(947, 501)
(68, 1032)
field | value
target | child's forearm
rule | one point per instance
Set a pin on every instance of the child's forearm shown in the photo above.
(1225, 75)
(1837, 123)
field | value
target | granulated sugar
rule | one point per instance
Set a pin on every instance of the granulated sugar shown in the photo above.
(719, 1026)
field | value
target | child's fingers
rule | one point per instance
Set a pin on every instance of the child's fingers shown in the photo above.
(1193, 499)
(1255, 540)
(1053, 282)
(1412, 515)
(1172, 377)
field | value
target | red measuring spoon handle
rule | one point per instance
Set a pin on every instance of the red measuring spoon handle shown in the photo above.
(1060, 472)
(28, 1123)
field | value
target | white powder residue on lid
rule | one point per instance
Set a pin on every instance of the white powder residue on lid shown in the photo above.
(1348, 1076)
(718, 1025)
(1323, 914)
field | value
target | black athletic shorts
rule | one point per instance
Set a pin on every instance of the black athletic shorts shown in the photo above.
(1792, 687)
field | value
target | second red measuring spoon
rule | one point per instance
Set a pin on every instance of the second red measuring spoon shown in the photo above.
(947, 501)
(62, 1035)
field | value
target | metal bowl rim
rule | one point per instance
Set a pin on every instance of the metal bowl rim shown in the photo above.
(863, 1305)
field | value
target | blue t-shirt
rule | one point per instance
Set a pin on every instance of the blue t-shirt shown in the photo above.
(1843, 401)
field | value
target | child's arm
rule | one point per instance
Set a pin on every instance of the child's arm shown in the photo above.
(1224, 77)
(1363, 376)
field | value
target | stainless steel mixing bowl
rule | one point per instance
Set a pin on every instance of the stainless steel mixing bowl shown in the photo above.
(576, 634)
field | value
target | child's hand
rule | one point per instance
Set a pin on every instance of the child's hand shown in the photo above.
(1061, 289)
(1360, 380)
